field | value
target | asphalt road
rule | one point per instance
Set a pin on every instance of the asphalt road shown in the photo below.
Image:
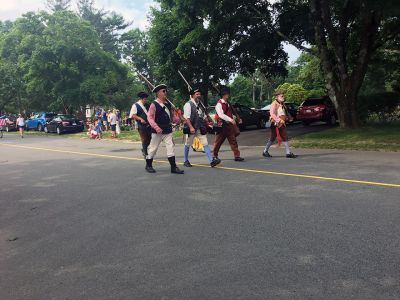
(258, 137)
(82, 220)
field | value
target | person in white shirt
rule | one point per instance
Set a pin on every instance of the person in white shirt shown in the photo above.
(112, 117)
(230, 131)
(195, 126)
(21, 125)
(139, 112)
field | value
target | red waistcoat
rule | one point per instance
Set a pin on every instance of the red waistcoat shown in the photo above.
(227, 109)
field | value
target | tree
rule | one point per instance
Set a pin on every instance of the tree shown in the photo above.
(307, 72)
(58, 5)
(108, 25)
(136, 51)
(208, 42)
(293, 92)
(55, 62)
(346, 34)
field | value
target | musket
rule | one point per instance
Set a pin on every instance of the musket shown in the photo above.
(151, 87)
(233, 109)
(203, 108)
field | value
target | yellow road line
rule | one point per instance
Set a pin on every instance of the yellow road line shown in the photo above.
(220, 167)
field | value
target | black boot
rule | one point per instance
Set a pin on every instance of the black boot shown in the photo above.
(144, 150)
(149, 166)
(174, 168)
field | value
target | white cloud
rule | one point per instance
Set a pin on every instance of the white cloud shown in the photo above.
(12, 9)
(132, 10)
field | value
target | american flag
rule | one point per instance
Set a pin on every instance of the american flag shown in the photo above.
(3, 122)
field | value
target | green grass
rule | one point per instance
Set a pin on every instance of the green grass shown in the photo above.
(370, 138)
(131, 135)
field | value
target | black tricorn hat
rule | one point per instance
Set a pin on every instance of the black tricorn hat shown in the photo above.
(142, 95)
(224, 90)
(194, 90)
(159, 87)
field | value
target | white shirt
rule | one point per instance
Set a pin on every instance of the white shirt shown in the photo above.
(21, 121)
(134, 109)
(113, 118)
(220, 112)
(187, 109)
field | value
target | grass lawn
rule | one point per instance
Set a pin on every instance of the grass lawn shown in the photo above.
(371, 137)
(131, 135)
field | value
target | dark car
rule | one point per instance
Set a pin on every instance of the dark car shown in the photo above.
(249, 116)
(292, 108)
(64, 123)
(38, 120)
(317, 109)
(9, 126)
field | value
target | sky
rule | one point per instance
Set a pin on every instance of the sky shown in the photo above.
(133, 10)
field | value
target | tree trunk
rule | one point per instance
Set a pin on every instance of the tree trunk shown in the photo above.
(347, 110)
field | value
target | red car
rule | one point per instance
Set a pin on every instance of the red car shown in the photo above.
(317, 109)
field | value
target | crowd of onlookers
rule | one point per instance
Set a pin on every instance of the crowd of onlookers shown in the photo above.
(104, 120)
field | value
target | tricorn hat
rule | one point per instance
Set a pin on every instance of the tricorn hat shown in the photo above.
(194, 90)
(224, 90)
(159, 87)
(142, 95)
(278, 92)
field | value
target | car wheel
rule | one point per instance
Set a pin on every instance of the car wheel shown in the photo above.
(46, 130)
(261, 123)
(332, 120)
(306, 123)
(58, 130)
(40, 127)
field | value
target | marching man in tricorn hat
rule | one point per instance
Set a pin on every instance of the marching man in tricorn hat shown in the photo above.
(230, 131)
(139, 112)
(160, 117)
(196, 127)
(279, 115)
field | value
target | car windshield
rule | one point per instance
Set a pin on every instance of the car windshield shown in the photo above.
(66, 117)
(316, 101)
(49, 115)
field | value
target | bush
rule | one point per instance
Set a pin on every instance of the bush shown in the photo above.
(382, 107)
(125, 128)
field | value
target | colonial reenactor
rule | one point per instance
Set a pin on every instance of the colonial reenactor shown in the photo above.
(139, 112)
(230, 131)
(196, 127)
(160, 117)
(279, 115)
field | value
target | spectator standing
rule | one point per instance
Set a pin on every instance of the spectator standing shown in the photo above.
(98, 128)
(112, 117)
(105, 119)
(21, 125)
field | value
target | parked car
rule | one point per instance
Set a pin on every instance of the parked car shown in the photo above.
(291, 107)
(38, 120)
(64, 123)
(9, 127)
(249, 116)
(317, 109)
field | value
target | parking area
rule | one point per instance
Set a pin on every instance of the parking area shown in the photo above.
(82, 219)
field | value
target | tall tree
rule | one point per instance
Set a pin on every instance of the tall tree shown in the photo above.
(58, 5)
(136, 51)
(346, 33)
(108, 25)
(208, 42)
